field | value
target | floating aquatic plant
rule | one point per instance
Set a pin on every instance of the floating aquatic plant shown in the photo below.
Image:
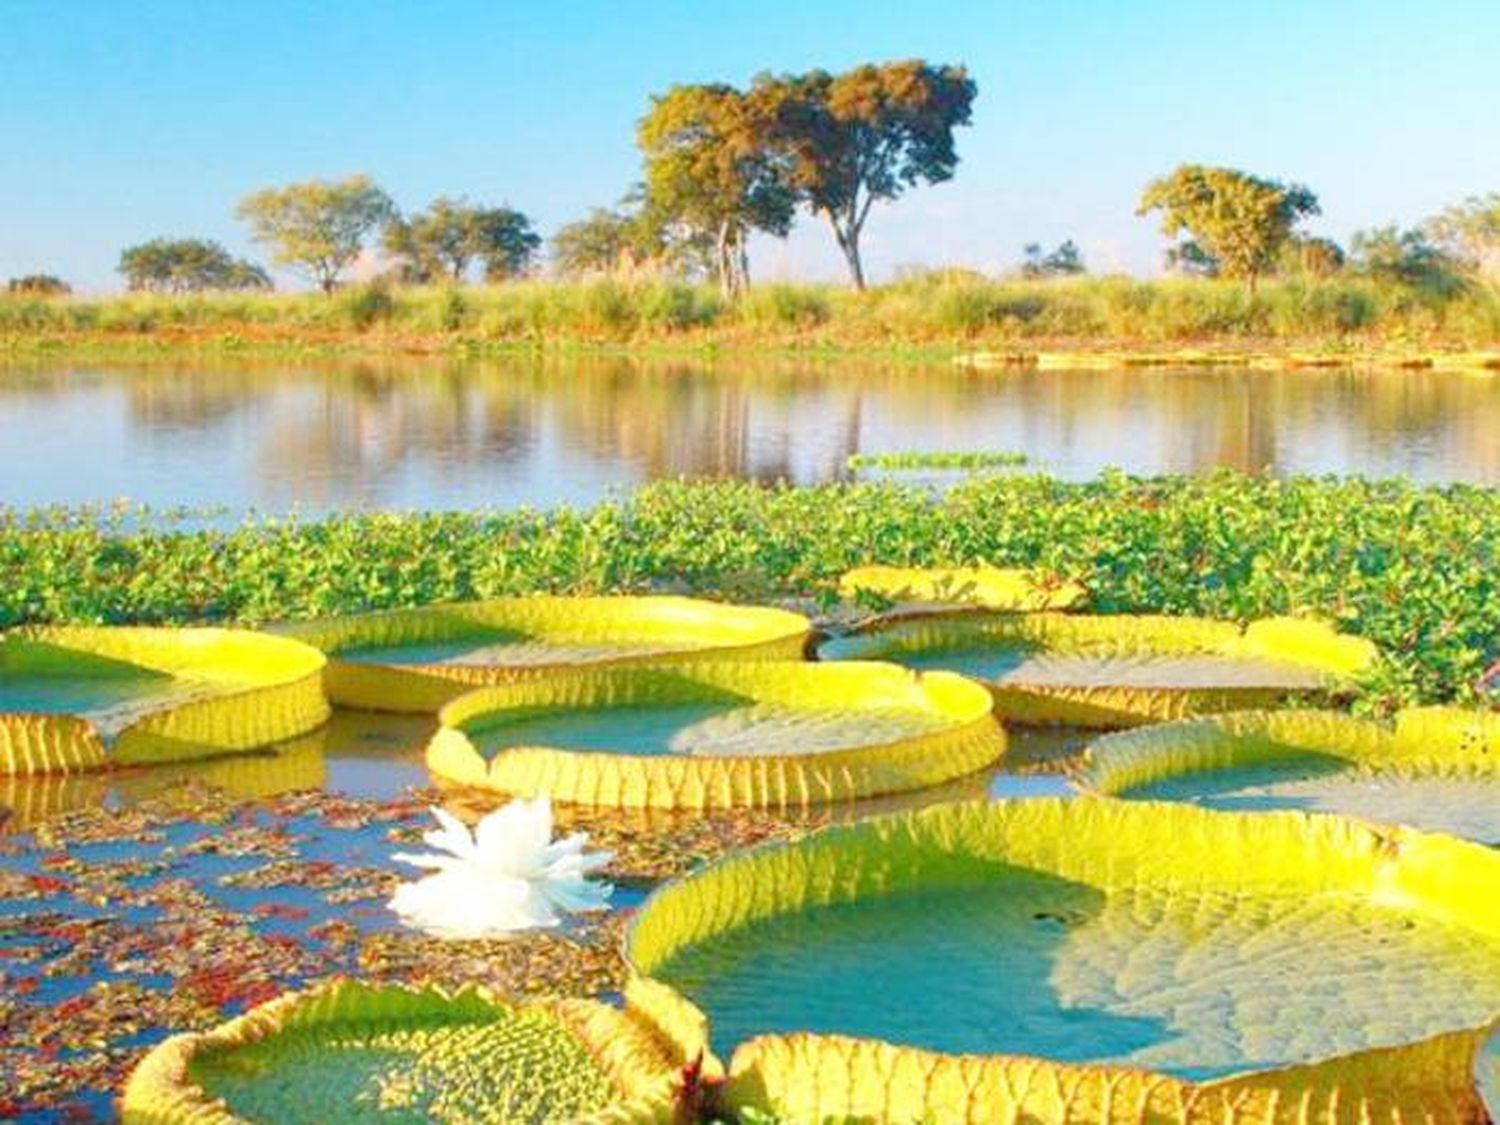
(75, 699)
(698, 736)
(1434, 767)
(349, 1052)
(1085, 961)
(1004, 588)
(419, 659)
(507, 875)
(1117, 670)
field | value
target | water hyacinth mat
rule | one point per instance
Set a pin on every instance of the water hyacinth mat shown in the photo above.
(418, 659)
(1115, 671)
(752, 734)
(1075, 961)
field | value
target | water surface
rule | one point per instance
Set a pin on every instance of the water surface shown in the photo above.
(323, 436)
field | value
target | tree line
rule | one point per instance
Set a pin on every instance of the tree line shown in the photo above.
(720, 164)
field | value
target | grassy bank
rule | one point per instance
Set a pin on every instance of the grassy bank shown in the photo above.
(935, 312)
(1415, 569)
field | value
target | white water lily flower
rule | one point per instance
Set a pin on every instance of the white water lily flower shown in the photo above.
(508, 875)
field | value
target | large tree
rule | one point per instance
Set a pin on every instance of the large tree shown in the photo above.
(1237, 221)
(848, 140)
(1471, 231)
(1407, 256)
(187, 265)
(710, 167)
(447, 238)
(317, 226)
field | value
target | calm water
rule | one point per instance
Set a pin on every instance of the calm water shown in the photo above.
(501, 434)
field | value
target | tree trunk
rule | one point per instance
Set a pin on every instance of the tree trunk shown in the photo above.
(848, 240)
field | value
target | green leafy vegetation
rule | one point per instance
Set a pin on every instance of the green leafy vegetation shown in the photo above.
(953, 459)
(1412, 568)
(317, 226)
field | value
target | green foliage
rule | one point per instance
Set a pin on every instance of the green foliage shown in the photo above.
(318, 226)
(1406, 256)
(710, 166)
(38, 285)
(446, 239)
(848, 140)
(1413, 568)
(950, 459)
(187, 265)
(1470, 231)
(364, 306)
(1065, 261)
(1237, 221)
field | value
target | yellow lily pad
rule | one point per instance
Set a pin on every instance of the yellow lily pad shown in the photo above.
(75, 699)
(1083, 961)
(1116, 670)
(987, 586)
(352, 1053)
(1435, 767)
(416, 660)
(737, 735)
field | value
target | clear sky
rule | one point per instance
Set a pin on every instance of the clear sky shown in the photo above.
(121, 121)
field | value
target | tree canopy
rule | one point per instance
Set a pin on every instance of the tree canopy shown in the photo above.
(1065, 261)
(868, 134)
(1236, 223)
(187, 265)
(1392, 253)
(1471, 231)
(38, 285)
(710, 167)
(452, 234)
(317, 226)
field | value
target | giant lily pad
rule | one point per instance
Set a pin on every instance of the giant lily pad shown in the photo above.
(1113, 671)
(82, 698)
(1084, 961)
(416, 660)
(352, 1053)
(765, 734)
(1436, 767)
(991, 587)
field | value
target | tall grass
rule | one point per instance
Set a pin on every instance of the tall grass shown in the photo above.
(934, 309)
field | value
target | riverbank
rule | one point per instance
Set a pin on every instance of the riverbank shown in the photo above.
(1413, 568)
(1088, 321)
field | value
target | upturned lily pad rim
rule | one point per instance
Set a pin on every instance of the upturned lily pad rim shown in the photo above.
(969, 739)
(1339, 659)
(272, 691)
(1012, 589)
(1111, 843)
(1417, 741)
(633, 1059)
(693, 629)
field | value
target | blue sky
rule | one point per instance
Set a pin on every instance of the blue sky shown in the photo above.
(122, 121)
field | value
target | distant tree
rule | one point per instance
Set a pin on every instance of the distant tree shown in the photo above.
(1405, 256)
(1239, 221)
(447, 238)
(38, 285)
(1065, 261)
(317, 226)
(187, 265)
(1191, 260)
(710, 167)
(1310, 257)
(848, 140)
(1470, 232)
(636, 234)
